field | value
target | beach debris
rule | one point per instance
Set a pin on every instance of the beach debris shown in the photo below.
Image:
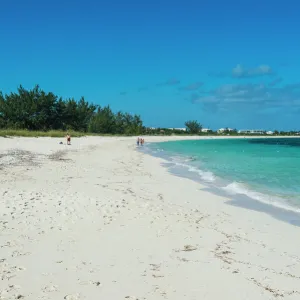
(58, 156)
(189, 248)
(182, 259)
(201, 218)
(276, 293)
(72, 297)
(17, 157)
(155, 267)
(49, 289)
(157, 276)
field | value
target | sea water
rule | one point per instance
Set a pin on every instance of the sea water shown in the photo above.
(263, 169)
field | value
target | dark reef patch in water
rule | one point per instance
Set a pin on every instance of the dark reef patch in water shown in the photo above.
(291, 142)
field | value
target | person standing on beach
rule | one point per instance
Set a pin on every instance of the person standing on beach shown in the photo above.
(138, 141)
(68, 139)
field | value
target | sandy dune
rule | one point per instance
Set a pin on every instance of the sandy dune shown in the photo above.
(100, 220)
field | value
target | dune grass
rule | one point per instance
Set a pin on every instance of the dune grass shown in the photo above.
(74, 134)
(50, 133)
(29, 133)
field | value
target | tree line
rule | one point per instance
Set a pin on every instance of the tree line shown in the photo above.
(36, 109)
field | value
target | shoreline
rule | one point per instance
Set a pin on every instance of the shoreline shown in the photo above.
(219, 186)
(76, 135)
(100, 219)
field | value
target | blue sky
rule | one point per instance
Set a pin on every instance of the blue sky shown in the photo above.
(223, 63)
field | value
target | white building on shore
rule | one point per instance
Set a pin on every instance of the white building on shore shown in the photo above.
(181, 129)
(251, 131)
(206, 130)
(222, 130)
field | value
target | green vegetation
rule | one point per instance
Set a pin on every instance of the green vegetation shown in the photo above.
(193, 127)
(37, 113)
(34, 133)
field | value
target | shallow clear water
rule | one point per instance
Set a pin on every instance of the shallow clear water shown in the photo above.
(267, 170)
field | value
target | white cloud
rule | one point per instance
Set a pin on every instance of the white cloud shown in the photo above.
(240, 71)
(250, 96)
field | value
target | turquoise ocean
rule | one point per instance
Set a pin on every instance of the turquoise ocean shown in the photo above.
(266, 170)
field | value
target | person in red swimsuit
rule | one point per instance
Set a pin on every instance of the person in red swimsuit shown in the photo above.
(68, 139)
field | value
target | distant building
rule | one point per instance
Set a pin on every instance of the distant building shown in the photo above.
(182, 129)
(222, 130)
(270, 132)
(206, 130)
(251, 131)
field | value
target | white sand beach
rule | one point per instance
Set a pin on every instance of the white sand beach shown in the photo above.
(100, 220)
